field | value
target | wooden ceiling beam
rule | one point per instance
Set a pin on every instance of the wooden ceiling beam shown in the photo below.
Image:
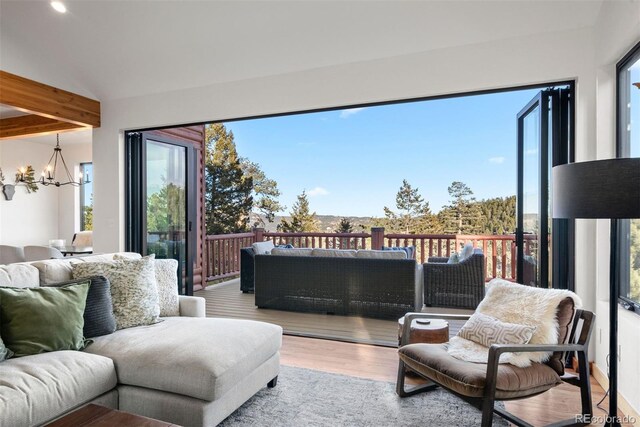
(48, 101)
(31, 125)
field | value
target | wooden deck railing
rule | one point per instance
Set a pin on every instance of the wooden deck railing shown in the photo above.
(222, 254)
(320, 240)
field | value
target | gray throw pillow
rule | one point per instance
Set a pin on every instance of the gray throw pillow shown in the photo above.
(487, 330)
(98, 312)
(5, 353)
(134, 290)
(409, 250)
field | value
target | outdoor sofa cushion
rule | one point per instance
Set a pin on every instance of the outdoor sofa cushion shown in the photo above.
(469, 379)
(165, 356)
(334, 253)
(36, 389)
(292, 251)
(371, 254)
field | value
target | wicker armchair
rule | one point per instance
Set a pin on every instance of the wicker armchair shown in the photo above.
(459, 285)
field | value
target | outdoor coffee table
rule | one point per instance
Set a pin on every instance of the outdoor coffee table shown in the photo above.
(428, 331)
(99, 416)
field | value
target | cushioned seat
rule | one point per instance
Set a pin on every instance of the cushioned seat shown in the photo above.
(468, 379)
(36, 389)
(159, 356)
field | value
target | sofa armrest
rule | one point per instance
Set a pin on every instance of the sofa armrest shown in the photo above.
(192, 306)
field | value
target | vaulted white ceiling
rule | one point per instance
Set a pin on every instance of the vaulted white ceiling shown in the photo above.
(118, 49)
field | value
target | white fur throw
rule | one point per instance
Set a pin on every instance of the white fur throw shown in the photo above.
(522, 305)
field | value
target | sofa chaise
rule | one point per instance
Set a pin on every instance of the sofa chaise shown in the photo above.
(188, 370)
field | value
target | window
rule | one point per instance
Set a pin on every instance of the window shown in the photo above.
(86, 197)
(628, 145)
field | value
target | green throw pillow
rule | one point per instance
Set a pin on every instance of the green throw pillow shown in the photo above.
(38, 320)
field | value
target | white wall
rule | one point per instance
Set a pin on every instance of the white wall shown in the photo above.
(49, 213)
(617, 31)
(28, 219)
(69, 197)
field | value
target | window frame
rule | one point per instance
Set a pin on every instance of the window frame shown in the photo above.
(623, 149)
(83, 200)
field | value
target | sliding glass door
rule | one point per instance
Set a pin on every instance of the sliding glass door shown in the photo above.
(544, 140)
(161, 201)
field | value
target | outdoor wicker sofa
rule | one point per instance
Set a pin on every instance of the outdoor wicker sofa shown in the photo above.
(458, 285)
(378, 288)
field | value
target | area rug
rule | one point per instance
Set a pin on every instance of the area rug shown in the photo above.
(309, 398)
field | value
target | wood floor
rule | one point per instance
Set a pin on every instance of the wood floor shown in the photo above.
(226, 300)
(366, 348)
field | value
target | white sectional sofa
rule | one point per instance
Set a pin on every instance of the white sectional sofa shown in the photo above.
(188, 370)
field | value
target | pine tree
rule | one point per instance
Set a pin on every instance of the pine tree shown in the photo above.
(165, 212)
(228, 199)
(498, 215)
(462, 215)
(265, 193)
(415, 215)
(302, 220)
(344, 226)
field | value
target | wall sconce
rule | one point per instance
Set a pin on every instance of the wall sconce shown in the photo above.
(8, 190)
(24, 177)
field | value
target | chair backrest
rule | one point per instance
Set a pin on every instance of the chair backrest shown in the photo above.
(11, 254)
(570, 322)
(83, 238)
(38, 253)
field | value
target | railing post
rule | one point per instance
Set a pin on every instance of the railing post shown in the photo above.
(377, 238)
(258, 234)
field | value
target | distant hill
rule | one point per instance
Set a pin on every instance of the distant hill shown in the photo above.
(328, 223)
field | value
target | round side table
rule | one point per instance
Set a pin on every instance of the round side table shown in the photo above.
(436, 331)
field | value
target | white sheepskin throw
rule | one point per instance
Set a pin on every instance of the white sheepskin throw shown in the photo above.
(523, 305)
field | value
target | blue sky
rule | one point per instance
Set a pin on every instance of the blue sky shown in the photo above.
(352, 162)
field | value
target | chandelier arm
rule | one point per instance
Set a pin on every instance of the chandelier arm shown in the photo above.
(64, 163)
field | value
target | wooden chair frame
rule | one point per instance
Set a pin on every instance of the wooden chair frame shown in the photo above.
(487, 403)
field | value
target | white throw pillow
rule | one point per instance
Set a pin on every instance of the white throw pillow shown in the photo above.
(167, 280)
(487, 330)
(134, 290)
(454, 258)
(262, 248)
(466, 252)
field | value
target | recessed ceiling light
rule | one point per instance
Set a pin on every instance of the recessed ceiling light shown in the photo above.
(59, 6)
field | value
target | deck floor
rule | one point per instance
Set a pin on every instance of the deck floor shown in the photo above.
(226, 300)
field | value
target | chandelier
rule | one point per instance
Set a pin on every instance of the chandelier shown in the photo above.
(48, 176)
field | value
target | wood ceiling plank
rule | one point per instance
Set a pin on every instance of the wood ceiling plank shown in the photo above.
(48, 101)
(32, 124)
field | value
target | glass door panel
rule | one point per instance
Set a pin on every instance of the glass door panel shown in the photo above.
(531, 197)
(166, 212)
(544, 141)
(161, 201)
